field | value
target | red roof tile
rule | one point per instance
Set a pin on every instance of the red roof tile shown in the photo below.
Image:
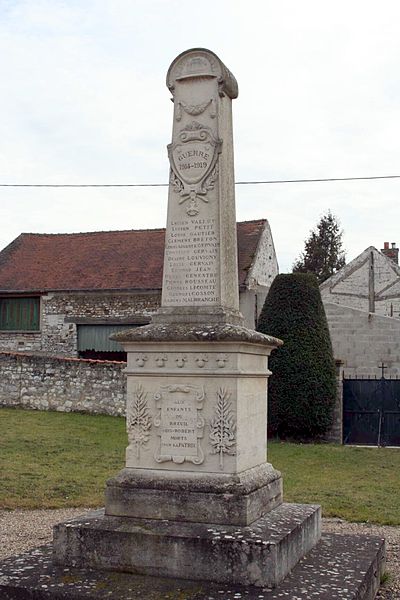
(103, 260)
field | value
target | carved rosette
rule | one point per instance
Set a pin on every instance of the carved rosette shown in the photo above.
(138, 420)
(221, 359)
(180, 424)
(201, 360)
(223, 427)
(141, 360)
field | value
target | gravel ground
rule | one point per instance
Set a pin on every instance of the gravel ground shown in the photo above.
(23, 530)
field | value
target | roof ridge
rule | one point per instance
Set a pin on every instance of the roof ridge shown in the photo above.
(27, 233)
(31, 233)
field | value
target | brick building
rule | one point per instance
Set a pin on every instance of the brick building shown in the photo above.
(64, 294)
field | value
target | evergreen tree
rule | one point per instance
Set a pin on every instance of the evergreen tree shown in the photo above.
(323, 254)
(302, 387)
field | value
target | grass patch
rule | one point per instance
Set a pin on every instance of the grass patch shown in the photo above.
(55, 460)
(353, 483)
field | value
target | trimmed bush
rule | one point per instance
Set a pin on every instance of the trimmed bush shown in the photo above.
(302, 387)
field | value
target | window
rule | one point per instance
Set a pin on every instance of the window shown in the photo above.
(20, 314)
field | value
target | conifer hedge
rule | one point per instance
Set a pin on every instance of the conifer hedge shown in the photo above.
(302, 387)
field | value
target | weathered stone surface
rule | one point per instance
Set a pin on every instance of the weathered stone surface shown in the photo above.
(62, 384)
(200, 259)
(188, 332)
(340, 567)
(198, 407)
(200, 497)
(261, 554)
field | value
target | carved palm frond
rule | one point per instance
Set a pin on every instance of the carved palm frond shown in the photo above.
(138, 420)
(223, 427)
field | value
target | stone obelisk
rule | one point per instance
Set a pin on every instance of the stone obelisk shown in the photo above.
(197, 498)
(200, 282)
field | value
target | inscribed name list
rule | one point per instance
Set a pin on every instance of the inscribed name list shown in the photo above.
(178, 426)
(191, 263)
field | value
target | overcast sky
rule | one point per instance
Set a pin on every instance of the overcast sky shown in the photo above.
(83, 100)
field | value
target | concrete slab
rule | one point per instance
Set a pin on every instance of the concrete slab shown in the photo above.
(340, 567)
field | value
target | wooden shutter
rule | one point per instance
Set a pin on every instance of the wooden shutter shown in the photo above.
(20, 314)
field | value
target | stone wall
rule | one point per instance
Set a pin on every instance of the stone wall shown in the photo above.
(16, 341)
(362, 340)
(58, 331)
(62, 384)
(61, 312)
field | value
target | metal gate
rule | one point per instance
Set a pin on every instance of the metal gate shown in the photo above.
(371, 412)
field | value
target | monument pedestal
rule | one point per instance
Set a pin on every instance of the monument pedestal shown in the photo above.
(196, 499)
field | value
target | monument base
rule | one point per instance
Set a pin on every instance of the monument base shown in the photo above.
(261, 554)
(221, 498)
(340, 566)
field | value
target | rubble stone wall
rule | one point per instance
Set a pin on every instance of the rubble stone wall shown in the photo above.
(62, 384)
(58, 331)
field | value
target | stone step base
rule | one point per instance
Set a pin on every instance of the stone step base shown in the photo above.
(223, 498)
(260, 554)
(340, 567)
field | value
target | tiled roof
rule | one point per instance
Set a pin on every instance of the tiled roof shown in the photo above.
(103, 260)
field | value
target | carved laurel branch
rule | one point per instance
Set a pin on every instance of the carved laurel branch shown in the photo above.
(175, 182)
(139, 420)
(208, 184)
(223, 427)
(211, 179)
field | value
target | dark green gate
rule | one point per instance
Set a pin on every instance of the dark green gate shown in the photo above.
(371, 412)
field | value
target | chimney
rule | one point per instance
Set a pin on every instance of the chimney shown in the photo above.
(392, 252)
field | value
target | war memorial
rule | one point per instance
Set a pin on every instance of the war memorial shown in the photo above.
(197, 511)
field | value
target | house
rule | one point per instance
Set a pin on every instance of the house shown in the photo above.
(64, 294)
(362, 304)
